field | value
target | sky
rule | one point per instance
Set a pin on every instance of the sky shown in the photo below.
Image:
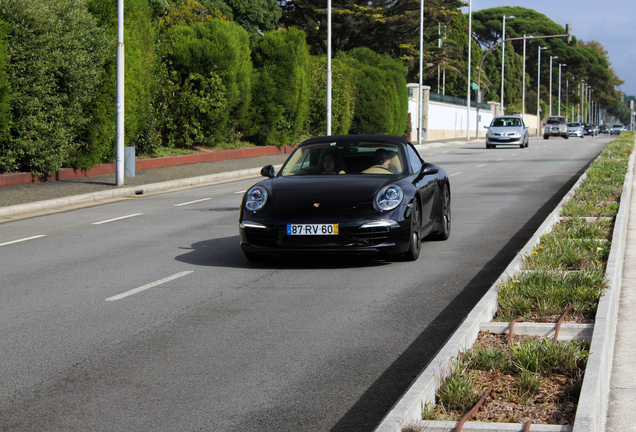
(611, 22)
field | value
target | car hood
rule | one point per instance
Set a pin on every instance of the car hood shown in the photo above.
(505, 129)
(324, 192)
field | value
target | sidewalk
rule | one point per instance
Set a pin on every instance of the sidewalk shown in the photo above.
(622, 395)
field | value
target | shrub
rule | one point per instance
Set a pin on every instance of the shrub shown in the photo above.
(216, 46)
(5, 87)
(280, 101)
(139, 40)
(381, 93)
(65, 45)
(342, 97)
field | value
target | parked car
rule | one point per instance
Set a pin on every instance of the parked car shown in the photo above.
(555, 126)
(575, 129)
(590, 129)
(507, 130)
(603, 129)
(382, 200)
(616, 129)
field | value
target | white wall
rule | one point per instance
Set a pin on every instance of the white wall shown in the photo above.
(446, 121)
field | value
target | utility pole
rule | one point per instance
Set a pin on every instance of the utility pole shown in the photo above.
(120, 94)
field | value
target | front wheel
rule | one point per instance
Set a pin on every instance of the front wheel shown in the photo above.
(444, 234)
(415, 239)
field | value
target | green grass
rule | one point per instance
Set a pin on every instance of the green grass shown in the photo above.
(542, 295)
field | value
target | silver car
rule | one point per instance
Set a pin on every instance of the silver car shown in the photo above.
(616, 129)
(507, 130)
(576, 129)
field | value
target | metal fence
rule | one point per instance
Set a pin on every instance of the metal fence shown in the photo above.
(452, 100)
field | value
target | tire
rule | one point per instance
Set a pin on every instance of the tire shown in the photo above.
(522, 145)
(545, 137)
(415, 238)
(444, 234)
(566, 136)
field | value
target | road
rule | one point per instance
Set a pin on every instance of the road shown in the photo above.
(144, 315)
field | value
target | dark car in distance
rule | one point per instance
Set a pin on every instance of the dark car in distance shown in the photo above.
(590, 129)
(357, 194)
(603, 129)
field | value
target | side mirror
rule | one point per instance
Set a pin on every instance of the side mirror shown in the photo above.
(428, 169)
(486, 127)
(268, 171)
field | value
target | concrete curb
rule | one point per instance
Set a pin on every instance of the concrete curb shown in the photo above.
(592, 407)
(95, 198)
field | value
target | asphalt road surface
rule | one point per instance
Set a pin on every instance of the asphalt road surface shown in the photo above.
(144, 315)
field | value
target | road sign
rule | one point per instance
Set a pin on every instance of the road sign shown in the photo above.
(474, 86)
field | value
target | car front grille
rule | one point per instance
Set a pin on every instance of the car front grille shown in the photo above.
(262, 237)
(369, 236)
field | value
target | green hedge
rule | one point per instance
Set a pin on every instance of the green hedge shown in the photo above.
(56, 53)
(5, 86)
(280, 100)
(381, 93)
(217, 47)
(343, 97)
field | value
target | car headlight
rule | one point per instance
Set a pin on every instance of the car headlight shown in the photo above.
(256, 198)
(388, 198)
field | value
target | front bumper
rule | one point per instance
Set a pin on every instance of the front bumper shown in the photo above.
(503, 140)
(576, 133)
(380, 236)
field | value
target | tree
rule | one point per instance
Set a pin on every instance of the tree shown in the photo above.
(221, 47)
(342, 99)
(388, 27)
(381, 93)
(280, 97)
(5, 87)
(99, 135)
(66, 46)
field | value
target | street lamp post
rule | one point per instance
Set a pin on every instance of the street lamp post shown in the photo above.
(503, 60)
(560, 64)
(470, 81)
(551, 57)
(539, 91)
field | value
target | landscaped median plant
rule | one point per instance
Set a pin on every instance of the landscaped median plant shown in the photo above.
(562, 277)
(531, 378)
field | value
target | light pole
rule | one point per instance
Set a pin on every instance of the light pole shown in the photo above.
(419, 101)
(328, 67)
(560, 64)
(523, 92)
(551, 57)
(470, 81)
(539, 91)
(503, 60)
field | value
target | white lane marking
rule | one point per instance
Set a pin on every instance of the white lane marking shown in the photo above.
(150, 285)
(116, 219)
(513, 155)
(497, 160)
(22, 240)
(457, 173)
(240, 192)
(192, 202)
(447, 151)
(479, 166)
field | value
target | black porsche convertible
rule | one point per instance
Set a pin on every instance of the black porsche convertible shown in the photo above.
(361, 194)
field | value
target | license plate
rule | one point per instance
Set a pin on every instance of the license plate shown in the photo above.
(504, 138)
(312, 229)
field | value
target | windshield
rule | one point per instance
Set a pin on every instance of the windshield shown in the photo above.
(555, 120)
(502, 122)
(618, 126)
(574, 124)
(345, 158)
